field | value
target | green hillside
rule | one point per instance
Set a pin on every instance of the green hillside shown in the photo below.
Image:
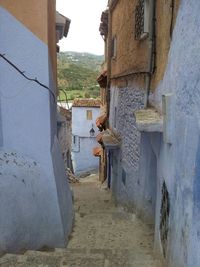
(77, 73)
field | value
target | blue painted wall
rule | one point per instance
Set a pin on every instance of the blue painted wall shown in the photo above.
(178, 163)
(84, 160)
(150, 161)
(36, 203)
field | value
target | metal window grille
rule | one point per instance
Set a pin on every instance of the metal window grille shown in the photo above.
(142, 19)
(164, 218)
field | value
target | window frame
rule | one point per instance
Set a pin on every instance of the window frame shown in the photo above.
(142, 15)
(89, 115)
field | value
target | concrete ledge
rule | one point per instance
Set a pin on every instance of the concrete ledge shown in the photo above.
(149, 120)
(110, 141)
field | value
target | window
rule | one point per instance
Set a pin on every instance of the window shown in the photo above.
(164, 218)
(75, 143)
(74, 139)
(142, 20)
(114, 48)
(89, 115)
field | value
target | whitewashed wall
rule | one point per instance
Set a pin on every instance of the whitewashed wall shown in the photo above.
(82, 157)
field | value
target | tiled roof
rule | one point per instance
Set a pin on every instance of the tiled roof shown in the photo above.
(86, 102)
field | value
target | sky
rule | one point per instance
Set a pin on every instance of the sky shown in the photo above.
(84, 33)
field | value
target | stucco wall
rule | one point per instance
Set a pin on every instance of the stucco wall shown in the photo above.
(124, 101)
(1, 134)
(80, 125)
(39, 18)
(83, 159)
(165, 20)
(36, 204)
(127, 47)
(178, 164)
(137, 50)
(52, 35)
(35, 17)
(147, 178)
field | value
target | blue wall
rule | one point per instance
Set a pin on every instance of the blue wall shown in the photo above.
(150, 161)
(178, 163)
(36, 203)
(83, 160)
(82, 151)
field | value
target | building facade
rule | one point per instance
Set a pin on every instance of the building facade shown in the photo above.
(152, 97)
(84, 131)
(36, 203)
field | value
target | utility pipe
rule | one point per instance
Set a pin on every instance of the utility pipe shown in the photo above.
(109, 63)
(151, 43)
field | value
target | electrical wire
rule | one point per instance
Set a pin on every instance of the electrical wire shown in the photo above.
(172, 18)
(66, 99)
(26, 77)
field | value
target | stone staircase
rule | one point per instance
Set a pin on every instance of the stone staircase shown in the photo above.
(75, 258)
(103, 236)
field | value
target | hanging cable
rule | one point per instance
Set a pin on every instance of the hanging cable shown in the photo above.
(26, 77)
(66, 99)
(172, 18)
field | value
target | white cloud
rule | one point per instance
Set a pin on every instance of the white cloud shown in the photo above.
(84, 33)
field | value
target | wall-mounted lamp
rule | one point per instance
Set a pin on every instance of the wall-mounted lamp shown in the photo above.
(92, 132)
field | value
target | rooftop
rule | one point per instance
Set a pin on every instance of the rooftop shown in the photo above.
(86, 102)
(62, 26)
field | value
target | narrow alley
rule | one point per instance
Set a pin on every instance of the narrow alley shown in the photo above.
(100, 133)
(103, 236)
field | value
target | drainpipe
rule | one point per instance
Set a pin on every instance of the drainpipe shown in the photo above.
(109, 63)
(151, 43)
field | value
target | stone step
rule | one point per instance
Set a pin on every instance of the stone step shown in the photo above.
(79, 257)
(103, 236)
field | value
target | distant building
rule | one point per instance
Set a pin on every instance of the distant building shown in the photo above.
(35, 198)
(84, 131)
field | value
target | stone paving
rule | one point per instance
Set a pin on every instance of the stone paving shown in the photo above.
(103, 236)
